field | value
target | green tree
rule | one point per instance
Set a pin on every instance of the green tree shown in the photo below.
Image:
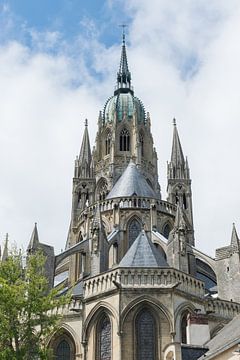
(28, 313)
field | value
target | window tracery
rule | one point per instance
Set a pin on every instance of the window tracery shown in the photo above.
(134, 229)
(63, 351)
(104, 339)
(124, 140)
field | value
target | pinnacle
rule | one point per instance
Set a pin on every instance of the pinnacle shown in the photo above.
(34, 240)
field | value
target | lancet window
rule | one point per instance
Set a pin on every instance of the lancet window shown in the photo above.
(134, 229)
(104, 342)
(63, 351)
(124, 140)
(108, 143)
(146, 336)
(141, 141)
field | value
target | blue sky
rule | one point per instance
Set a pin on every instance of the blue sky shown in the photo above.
(71, 17)
(58, 64)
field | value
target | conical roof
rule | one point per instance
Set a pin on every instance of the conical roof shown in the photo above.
(143, 253)
(131, 183)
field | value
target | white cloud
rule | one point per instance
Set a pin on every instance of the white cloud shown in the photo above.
(184, 57)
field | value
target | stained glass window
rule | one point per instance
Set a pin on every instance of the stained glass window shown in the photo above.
(133, 231)
(63, 351)
(105, 343)
(146, 336)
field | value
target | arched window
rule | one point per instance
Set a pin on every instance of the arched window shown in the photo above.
(104, 336)
(184, 201)
(108, 143)
(184, 327)
(63, 351)
(124, 140)
(166, 231)
(134, 229)
(102, 189)
(141, 144)
(146, 336)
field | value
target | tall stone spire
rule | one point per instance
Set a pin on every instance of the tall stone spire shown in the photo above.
(34, 240)
(123, 75)
(85, 152)
(179, 182)
(83, 162)
(178, 166)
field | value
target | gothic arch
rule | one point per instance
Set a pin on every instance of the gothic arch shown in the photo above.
(166, 229)
(107, 141)
(134, 226)
(158, 318)
(181, 311)
(148, 301)
(95, 314)
(124, 138)
(102, 189)
(64, 343)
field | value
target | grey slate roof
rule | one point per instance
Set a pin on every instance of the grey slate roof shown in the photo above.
(132, 182)
(78, 289)
(191, 352)
(143, 253)
(227, 337)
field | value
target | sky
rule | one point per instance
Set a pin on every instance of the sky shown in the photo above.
(58, 64)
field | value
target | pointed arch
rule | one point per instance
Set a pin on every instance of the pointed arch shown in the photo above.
(145, 313)
(143, 301)
(94, 315)
(102, 188)
(181, 317)
(108, 137)
(63, 344)
(124, 140)
(166, 230)
(133, 229)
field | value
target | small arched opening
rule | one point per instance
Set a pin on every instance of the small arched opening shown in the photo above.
(124, 140)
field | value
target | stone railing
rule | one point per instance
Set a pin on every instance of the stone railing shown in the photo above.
(130, 202)
(222, 308)
(73, 307)
(129, 278)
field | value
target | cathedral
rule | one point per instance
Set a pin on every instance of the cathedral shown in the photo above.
(140, 288)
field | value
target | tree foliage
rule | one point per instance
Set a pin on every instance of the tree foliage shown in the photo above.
(28, 313)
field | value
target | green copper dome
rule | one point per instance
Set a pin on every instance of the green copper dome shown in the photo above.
(124, 105)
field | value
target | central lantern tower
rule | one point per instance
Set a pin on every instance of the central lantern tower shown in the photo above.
(116, 192)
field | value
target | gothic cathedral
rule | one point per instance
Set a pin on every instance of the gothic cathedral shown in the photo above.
(140, 288)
